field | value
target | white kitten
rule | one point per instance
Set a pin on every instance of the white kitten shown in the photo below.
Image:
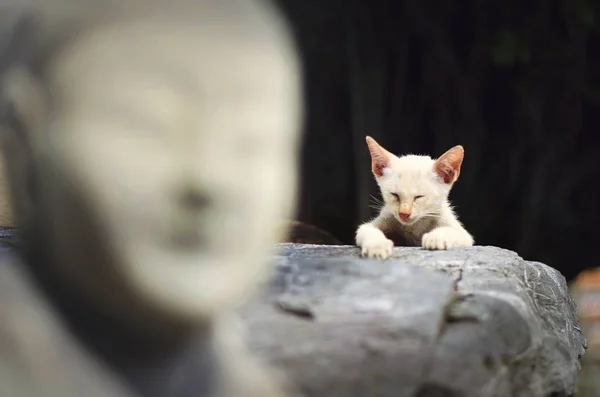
(416, 208)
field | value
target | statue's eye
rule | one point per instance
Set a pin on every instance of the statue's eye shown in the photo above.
(418, 197)
(396, 196)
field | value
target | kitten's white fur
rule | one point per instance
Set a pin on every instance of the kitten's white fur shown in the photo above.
(432, 222)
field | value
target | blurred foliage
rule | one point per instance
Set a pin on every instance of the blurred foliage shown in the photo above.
(509, 50)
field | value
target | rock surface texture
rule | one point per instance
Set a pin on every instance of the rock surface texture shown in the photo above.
(476, 322)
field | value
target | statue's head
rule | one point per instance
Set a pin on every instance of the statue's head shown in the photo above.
(153, 150)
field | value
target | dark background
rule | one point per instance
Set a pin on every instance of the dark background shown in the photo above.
(516, 82)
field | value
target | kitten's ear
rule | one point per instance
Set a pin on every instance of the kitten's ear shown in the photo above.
(380, 158)
(447, 166)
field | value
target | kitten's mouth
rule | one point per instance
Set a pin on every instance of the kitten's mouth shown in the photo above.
(407, 222)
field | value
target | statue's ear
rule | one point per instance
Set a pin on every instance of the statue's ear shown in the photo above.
(20, 110)
(17, 27)
(20, 93)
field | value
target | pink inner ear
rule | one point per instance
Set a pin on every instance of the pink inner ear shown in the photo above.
(379, 157)
(448, 165)
(377, 167)
(445, 171)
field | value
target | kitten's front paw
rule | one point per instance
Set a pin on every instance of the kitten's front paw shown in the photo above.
(380, 248)
(445, 238)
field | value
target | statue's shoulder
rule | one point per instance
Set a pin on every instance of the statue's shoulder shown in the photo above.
(38, 355)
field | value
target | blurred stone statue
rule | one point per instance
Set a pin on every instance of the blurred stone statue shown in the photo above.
(151, 150)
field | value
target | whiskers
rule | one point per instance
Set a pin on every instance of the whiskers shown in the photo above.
(430, 214)
(376, 203)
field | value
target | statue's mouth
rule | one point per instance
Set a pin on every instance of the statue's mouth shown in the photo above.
(186, 240)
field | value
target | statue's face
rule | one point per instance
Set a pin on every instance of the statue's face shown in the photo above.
(183, 145)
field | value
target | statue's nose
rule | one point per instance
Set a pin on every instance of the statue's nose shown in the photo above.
(194, 200)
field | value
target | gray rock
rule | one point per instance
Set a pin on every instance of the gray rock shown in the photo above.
(477, 321)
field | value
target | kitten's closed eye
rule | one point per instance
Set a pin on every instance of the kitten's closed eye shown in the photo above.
(419, 197)
(396, 196)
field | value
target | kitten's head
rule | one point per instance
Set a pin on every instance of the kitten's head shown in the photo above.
(165, 155)
(414, 186)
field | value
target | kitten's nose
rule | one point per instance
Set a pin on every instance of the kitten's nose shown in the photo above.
(404, 216)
